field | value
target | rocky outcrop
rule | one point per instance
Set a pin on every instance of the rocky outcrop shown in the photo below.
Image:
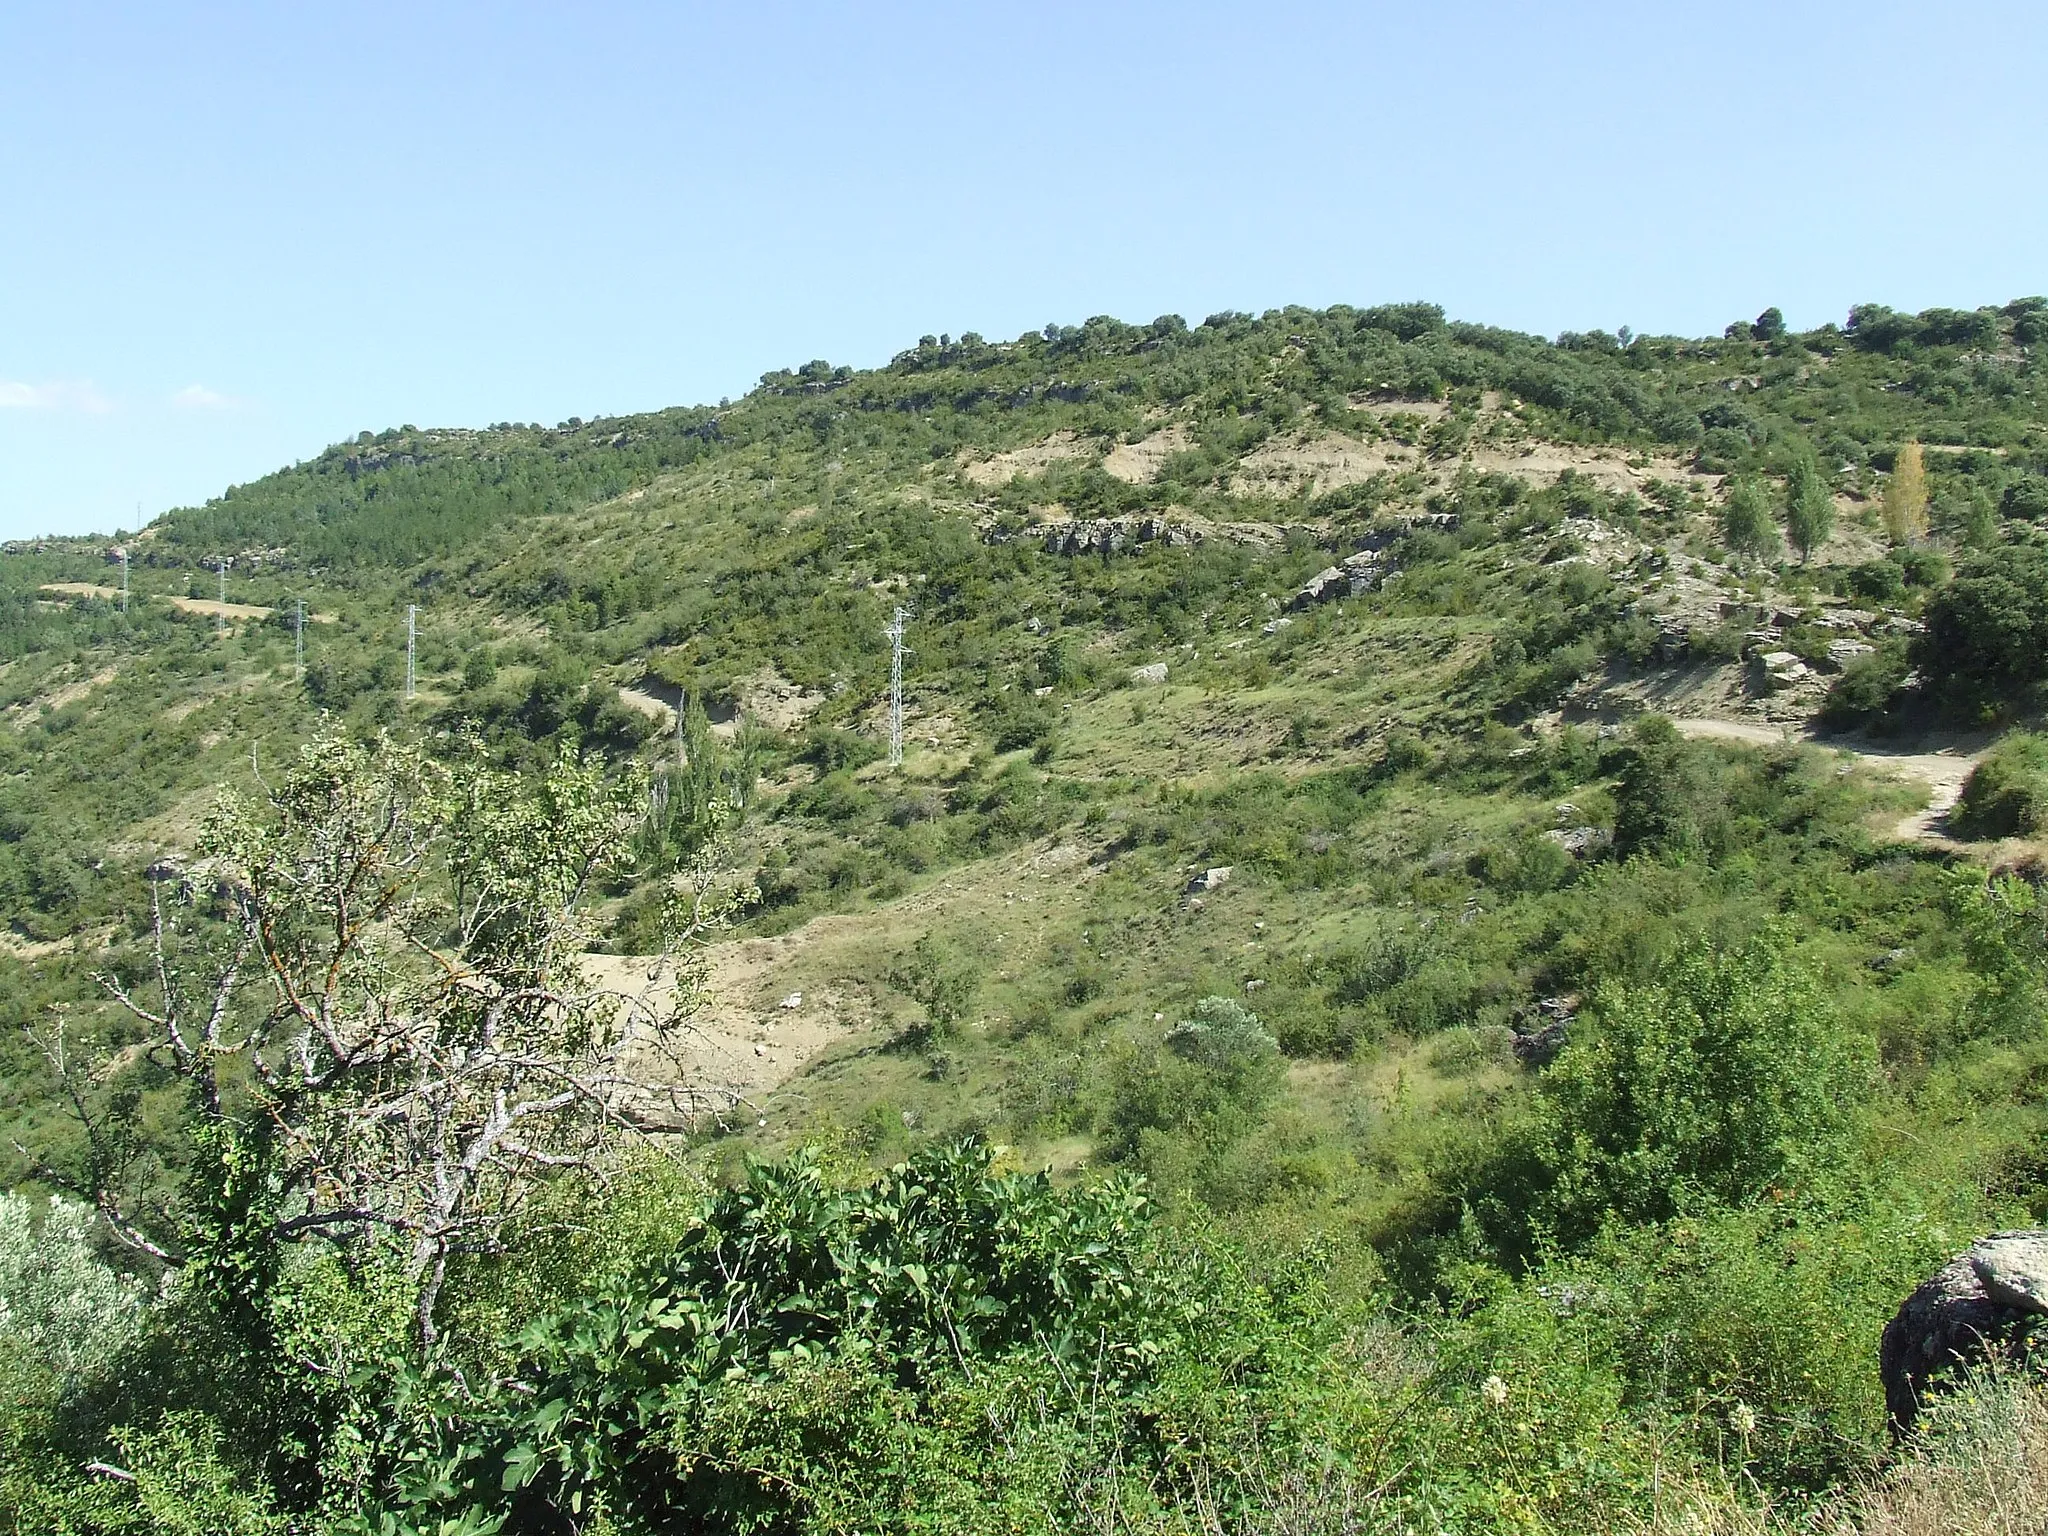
(1097, 536)
(1542, 1033)
(1982, 1306)
(1371, 564)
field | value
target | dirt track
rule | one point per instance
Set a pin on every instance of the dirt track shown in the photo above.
(1943, 768)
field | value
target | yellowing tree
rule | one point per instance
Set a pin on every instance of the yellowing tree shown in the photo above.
(1905, 497)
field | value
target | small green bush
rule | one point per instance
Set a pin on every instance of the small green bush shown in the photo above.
(2006, 794)
(1869, 688)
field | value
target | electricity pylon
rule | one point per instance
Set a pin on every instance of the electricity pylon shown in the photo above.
(897, 624)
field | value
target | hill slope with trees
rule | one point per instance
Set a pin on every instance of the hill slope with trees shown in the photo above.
(1302, 1039)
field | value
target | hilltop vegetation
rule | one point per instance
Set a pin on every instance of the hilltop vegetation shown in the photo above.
(1470, 1101)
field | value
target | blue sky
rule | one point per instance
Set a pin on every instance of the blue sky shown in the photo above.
(231, 235)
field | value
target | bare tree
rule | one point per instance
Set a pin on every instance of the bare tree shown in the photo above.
(371, 988)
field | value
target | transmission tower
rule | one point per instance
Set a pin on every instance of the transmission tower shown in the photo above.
(220, 618)
(897, 624)
(299, 639)
(412, 615)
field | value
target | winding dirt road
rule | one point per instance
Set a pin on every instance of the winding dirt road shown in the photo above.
(1942, 768)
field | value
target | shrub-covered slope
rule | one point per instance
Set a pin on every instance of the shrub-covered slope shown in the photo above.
(1540, 1105)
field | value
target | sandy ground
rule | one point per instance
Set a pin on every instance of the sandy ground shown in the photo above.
(1319, 463)
(1543, 463)
(1324, 461)
(208, 606)
(81, 589)
(1942, 766)
(767, 698)
(1031, 460)
(744, 1043)
(1377, 405)
(28, 711)
(1139, 463)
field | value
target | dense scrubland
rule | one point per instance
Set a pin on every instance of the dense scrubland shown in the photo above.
(1303, 1041)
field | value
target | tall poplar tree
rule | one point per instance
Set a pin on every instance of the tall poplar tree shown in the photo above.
(1809, 508)
(1905, 496)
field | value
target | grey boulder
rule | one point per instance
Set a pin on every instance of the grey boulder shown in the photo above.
(1982, 1306)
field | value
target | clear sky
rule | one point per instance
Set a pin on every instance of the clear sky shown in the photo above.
(231, 235)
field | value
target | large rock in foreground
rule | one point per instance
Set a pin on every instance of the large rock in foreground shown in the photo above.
(1986, 1304)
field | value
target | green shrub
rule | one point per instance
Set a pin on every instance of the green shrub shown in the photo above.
(1987, 630)
(1729, 1078)
(809, 1356)
(1222, 1035)
(59, 1305)
(1869, 688)
(1658, 800)
(2006, 794)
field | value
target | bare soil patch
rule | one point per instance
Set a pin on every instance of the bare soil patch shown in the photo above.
(1542, 463)
(1139, 463)
(745, 1043)
(1317, 463)
(1379, 405)
(67, 693)
(81, 589)
(1033, 459)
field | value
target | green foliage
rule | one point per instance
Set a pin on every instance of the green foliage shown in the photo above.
(942, 982)
(1870, 687)
(800, 1350)
(1348, 1311)
(1987, 631)
(1222, 1035)
(61, 1308)
(1809, 507)
(1746, 526)
(1656, 803)
(2006, 794)
(1730, 1080)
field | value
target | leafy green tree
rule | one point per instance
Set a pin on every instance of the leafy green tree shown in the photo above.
(1746, 526)
(1986, 639)
(480, 669)
(1905, 496)
(1809, 507)
(1980, 521)
(1656, 801)
(942, 982)
(1727, 1079)
(1770, 325)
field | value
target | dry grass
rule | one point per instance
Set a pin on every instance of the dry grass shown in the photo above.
(1983, 1473)
(1981, 1470)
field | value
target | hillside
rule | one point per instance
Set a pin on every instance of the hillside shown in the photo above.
(1319, 662)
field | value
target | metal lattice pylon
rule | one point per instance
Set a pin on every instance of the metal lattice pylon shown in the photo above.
(898, 624)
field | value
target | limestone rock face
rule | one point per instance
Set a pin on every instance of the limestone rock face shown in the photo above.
(2013, 1269)
(1983, 1305)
